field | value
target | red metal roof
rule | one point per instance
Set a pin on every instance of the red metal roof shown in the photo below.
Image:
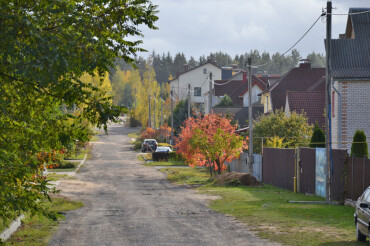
(297, 79)
(310, 102)
(236, 88)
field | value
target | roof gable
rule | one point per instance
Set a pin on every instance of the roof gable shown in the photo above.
(297, 79)
(236, 88)
(350, 56)
(312, 103)
(191, 69)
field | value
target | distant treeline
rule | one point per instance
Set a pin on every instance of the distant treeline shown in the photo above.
(165, 66)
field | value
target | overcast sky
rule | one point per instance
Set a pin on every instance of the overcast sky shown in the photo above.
(197, 27)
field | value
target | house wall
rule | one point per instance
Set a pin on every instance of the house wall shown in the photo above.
(353, 112)
(255, 91)
(266, 101)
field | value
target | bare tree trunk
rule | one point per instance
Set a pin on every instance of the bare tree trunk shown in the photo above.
(218, 166)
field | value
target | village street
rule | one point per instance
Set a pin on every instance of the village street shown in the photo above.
(127, 203)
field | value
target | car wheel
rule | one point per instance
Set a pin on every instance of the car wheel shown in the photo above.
(359, 236)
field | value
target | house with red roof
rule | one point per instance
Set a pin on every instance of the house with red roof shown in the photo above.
(310, 103)
(237, 89)
(301, 78)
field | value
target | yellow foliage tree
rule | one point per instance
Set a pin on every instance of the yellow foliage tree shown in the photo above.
(147, 88)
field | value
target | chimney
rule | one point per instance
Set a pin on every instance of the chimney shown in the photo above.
(305, 64)
(186, 67)
(209, 59)
(244, 76)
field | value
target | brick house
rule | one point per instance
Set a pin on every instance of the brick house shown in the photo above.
(350, 79)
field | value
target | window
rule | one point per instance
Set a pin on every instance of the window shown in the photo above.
(205, 71)
(197, 91)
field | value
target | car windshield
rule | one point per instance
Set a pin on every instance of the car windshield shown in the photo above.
(150, 142)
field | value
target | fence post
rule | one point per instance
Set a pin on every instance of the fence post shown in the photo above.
(363, 174)
(352, 179)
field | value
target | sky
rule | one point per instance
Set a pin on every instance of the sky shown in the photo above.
(198, 27)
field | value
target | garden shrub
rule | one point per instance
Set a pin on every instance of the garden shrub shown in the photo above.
(318, 137)
(173, 156)
(359, 144)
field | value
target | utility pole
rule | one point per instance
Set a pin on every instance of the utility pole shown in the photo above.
(250, 145)
(189, 101)
(150, 120)
(154, 116)
(161, 111)
(172, 130)
(328, 102)
(210, 94)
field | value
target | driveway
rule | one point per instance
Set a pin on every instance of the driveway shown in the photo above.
(127, 203)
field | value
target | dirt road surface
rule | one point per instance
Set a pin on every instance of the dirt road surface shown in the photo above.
(130, 204)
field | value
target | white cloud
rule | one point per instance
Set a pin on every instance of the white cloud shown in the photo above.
(198, 27)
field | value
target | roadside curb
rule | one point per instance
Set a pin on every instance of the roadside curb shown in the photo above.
(7, 233)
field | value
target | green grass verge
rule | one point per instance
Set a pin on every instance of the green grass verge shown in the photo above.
(165, 163)
(134, 135)
(38, 230)
(187, 175)
(267, 211)
(55, 176)
(80, 155)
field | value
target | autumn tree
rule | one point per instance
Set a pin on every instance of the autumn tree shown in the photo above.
(46, 47)
(209, 140)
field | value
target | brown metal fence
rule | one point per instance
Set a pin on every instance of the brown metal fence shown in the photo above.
(278, 167)
(307, 170)
(358, 176)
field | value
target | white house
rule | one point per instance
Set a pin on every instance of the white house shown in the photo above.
(198, 80)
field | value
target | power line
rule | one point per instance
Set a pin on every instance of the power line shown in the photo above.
(230, 80)
(309, 29)
(358, 13)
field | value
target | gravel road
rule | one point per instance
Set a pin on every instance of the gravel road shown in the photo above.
(130, 204)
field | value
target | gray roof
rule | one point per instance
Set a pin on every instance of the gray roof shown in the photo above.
(350, 57)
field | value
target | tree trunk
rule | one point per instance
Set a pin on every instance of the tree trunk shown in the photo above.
(218, 166)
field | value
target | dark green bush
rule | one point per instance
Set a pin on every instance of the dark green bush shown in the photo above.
(173, 156)
(66, 165)
(137, 145)
(318, 137)
(359, 144)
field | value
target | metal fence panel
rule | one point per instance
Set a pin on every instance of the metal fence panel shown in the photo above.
(278, 167)
(307, 169)
(257, 167)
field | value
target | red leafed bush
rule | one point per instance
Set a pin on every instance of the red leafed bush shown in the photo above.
(158, 134)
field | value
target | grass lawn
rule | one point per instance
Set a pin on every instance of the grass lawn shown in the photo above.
(55, 176)
(165, 163)
(267, 211)
(80, 155)
(134, 135)
(38, 230)
(187, 175)
(67, 166)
